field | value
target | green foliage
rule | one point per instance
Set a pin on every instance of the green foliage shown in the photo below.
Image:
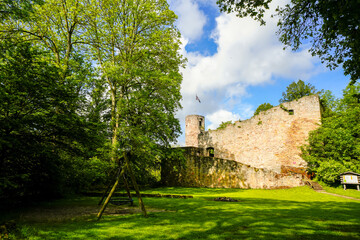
(137, 51)
(330, 26)
(40, 132)
(223, 125)
(245, 8)
(16, 9)
(328, 103)
(263, 107)
(172, 162)
(95, 79)
(297, 90)
(335, 146)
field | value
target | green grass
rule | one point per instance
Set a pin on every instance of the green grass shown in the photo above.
(298, 213)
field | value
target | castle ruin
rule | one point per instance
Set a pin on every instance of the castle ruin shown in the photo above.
(262, 152)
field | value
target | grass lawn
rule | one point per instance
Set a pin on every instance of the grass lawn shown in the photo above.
(297, 213)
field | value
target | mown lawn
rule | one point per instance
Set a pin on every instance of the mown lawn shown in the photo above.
(298, 213)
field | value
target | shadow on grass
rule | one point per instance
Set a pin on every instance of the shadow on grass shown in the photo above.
(252, 218)
(190, 191)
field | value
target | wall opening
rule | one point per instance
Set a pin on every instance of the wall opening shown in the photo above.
(198, 153)
(201, 124)
(210, 152)
(291, 112)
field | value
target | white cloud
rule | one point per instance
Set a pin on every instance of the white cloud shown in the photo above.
(221, 116)
(248, 54)
(191, 20)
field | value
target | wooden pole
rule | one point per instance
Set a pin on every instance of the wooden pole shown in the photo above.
(108, 188)
(127, 188)
(110, 194)
(136, 187)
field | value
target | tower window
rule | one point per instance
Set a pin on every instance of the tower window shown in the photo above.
(291, 112)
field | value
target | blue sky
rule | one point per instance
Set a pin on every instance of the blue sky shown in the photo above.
(234, 64)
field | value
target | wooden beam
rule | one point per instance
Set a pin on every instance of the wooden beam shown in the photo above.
(127, 189)
(108, 188)
(110, 194)
(136, 187)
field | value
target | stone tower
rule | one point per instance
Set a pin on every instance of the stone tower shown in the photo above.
(194, 125)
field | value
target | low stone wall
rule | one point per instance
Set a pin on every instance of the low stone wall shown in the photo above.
(201, 171)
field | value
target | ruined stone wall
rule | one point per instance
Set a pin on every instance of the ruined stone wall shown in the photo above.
(201, 171)
(270, 140)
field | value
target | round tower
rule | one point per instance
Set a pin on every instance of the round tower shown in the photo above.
(194, 125)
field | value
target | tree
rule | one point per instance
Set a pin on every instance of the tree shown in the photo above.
(297, 90)
(135, 44)
(263, 107)
(332, 27)
(328, 103)
(136, 47)
(334, 148)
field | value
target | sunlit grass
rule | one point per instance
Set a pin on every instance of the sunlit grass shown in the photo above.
(298, 213)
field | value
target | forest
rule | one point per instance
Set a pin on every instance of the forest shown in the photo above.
(83, 83)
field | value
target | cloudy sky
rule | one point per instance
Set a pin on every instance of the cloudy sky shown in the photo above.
(234, 64)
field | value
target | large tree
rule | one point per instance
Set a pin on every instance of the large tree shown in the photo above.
(332, 27)
(297, 90)
(136, 45)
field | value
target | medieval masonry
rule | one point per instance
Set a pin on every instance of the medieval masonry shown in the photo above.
(261, 152)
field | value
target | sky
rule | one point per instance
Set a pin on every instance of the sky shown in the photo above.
(234, 64)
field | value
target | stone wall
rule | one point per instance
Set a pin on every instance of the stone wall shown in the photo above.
(270, 140)
(202, 171)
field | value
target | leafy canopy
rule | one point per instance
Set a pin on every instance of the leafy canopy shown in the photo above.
(136, 48)
(334, 148)
(43, 141)
(297, 90)
(332, 27)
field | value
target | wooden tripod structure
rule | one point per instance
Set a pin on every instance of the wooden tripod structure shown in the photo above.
(119, 175)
